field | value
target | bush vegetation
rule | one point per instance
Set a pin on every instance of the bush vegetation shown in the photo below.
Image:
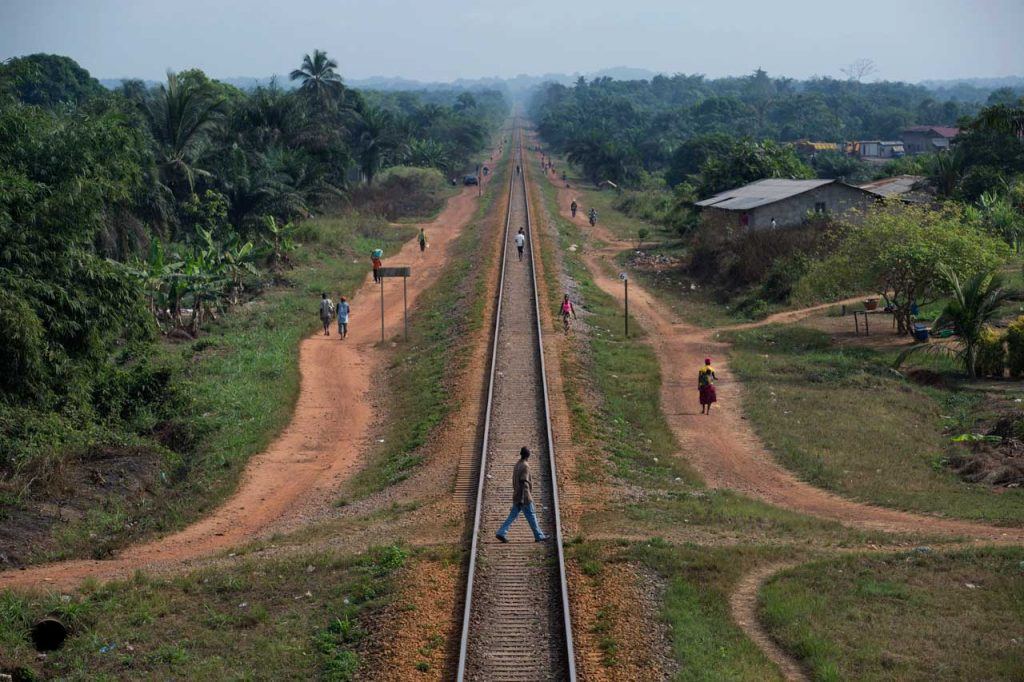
(139, 215)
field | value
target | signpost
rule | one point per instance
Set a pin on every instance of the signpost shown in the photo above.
(625, 284)
(403, 272)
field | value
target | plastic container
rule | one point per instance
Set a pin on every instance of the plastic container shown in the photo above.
(921, 332)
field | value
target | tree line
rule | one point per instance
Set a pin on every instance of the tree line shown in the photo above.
(126, 211)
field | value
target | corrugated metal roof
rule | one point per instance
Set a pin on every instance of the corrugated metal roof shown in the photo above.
(942, 131)
(761, 193)
(900, 184)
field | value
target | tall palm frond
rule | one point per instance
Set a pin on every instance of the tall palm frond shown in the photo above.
(319, 79)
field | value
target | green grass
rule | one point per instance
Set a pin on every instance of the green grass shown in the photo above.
(912, 616)
(418, 376)
(242, 378)
(706, 642)
(842, 421)
(304, 617)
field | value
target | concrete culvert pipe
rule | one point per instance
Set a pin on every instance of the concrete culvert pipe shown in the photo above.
(49, 634)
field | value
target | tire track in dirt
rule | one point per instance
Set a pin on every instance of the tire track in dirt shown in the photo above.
(293, 480)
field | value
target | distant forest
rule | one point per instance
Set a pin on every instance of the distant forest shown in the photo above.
(631, 132)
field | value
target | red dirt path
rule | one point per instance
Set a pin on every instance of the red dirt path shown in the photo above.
(318, 450)
(723, 447)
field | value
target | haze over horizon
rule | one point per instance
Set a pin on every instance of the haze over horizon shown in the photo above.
(447, 40)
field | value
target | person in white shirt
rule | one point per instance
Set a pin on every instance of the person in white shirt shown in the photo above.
(326, 312)
(520, 242)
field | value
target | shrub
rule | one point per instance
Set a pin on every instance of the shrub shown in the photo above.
(991, 353)
(1015, 347)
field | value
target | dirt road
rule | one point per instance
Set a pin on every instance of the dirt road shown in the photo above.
(723, 447)
(322, 445)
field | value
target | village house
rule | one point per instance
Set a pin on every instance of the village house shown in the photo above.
(875, 150)
(787, 202)
(911, 189)
(928, 139)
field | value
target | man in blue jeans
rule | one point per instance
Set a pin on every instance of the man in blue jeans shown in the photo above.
(522, 500)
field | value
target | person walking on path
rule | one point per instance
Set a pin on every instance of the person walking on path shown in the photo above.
(423, 240)
(522, 499)
(706, 386)
(326, 311)
(567, 310)
(520, 242)
(572, 207)
(375, 259)
(343, 310)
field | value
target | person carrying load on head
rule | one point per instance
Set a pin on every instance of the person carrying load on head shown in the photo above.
(375, 259)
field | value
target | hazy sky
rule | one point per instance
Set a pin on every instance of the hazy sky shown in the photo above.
(447, 39)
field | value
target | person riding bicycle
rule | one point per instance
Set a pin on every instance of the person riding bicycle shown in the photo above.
(572, 207)
(592, 215)
(567, 310)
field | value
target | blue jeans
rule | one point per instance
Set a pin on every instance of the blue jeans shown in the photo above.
(531, 518)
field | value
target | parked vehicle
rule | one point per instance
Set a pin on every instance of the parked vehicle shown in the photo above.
(470, 180)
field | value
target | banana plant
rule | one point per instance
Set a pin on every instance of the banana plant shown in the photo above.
(278, 240)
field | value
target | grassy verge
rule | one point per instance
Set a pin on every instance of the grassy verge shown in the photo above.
(705, 640)
(613, 392)
(419, 375)
(921, 616)
(241, 379)
(297, 618)
(887, 447)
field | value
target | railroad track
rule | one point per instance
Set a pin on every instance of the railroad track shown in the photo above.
(516, 623)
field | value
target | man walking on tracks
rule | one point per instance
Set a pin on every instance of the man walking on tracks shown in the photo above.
(522, 500)
(520, 242)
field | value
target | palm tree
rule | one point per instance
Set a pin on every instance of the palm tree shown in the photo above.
(948, 170)
(973, 306)
(319, 79)
(375, 139)
(181, 117)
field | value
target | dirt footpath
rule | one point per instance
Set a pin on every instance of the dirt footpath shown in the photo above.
(723, 447)
(296, 477)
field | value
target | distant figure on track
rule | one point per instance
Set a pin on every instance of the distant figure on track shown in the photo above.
(423, 240)
(520, 242)
(706, 386)
(343, 310)
(592, 216)
(522, 500)
(572, 207)
(517, 169)
(326, 311)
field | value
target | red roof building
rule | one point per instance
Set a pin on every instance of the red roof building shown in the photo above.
(926, 139)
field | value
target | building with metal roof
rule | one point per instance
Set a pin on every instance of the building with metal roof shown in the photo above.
(786, 202)
(925, 139)
(909, 188)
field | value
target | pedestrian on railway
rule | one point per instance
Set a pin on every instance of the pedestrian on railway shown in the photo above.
(423, 240)
(326, 312)
(706, 386)
(343, 310)
(522, 499)
(520, 242)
